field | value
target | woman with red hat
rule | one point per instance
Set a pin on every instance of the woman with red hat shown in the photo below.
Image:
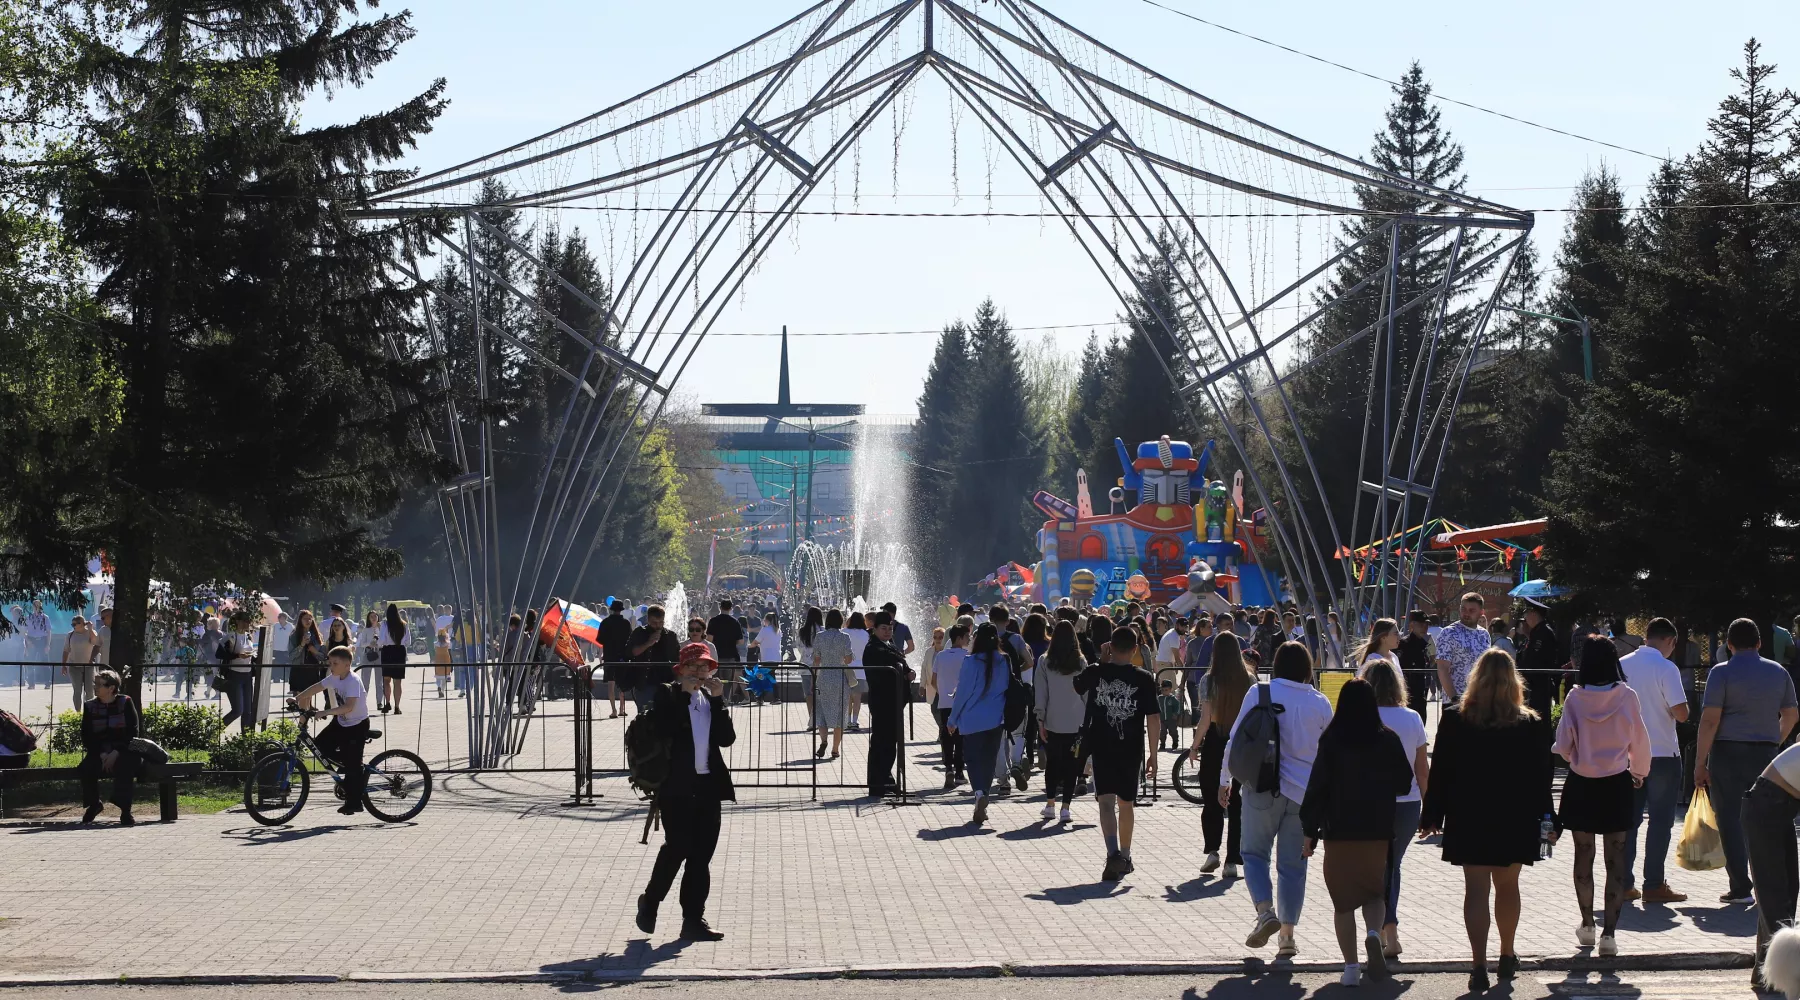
(691, 715)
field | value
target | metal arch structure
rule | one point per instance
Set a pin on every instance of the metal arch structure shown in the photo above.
(722, 159)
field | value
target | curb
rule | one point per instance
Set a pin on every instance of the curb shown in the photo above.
(1669, 962)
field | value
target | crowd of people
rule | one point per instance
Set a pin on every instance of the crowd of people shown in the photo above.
(1356, 778)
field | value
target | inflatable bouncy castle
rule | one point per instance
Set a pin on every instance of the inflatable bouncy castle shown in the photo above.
(1180, 539)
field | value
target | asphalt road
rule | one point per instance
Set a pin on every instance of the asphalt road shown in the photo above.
(1541, 986)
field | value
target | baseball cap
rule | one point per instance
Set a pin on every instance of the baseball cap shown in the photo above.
(1416, 615)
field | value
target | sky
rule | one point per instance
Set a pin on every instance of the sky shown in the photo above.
(1643, 74)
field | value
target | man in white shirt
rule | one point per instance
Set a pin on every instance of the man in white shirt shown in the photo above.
(1168, 648)
(281, 635)
(1271, 820)
(1657, 681)
(1459, 645)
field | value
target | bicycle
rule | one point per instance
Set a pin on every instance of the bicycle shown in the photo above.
(278, 786)
(1184, 777)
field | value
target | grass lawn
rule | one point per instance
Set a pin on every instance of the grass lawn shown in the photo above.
(207, 794)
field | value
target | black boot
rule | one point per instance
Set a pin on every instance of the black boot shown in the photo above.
(646, 915)
(696, 929)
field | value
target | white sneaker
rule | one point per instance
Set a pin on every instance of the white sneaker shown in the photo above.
(1064, 816)
(1584, 935)
(1352, 975)
(1211, 864)
(1231, 871)
(1049, 811)
(1609, 946)
(1266, 926)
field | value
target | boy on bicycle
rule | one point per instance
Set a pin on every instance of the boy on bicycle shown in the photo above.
(342, 742)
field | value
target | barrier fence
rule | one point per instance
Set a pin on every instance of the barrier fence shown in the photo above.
(556, 726)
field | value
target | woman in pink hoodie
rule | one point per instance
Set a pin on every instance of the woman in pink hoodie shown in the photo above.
(1603, 737)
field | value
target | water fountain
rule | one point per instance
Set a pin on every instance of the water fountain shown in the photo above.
(874, 566)
(675, 609)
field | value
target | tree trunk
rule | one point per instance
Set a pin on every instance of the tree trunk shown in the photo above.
(131, 603)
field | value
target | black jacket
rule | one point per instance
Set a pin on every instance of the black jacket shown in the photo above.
(670, 713)
(1351, 793)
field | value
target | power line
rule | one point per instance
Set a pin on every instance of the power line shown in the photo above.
(1121, 216)
(1391, 83)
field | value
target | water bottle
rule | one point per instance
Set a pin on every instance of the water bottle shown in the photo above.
(1546, 829)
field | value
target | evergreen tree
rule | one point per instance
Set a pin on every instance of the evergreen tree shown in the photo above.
(1679, 490)
(263, 425)
(991, 517)
(1086, 426)
(1331, 397)
(938, 438)
(1137, 400)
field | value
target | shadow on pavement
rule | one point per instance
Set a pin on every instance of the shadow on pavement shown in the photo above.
(1204, 887)
(1069, 895)
(956, 832)
(1043, 829)
(638, 954)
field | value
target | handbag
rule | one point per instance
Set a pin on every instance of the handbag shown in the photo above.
(218, 683)
(148, 750)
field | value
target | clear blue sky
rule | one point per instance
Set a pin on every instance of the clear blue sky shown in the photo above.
(1642, 74)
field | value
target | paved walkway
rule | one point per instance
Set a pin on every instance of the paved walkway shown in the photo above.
(496, 877)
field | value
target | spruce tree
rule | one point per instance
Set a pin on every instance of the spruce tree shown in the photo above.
(1137, 399)
(1331, 397)
(1679, 490)
(938, 438)
(992, 520)
(264, 422)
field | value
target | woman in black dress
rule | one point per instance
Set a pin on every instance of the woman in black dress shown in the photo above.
(1490, 795)
(393, 658)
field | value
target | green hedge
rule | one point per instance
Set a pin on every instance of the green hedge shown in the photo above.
(239, 752)
(179, 726)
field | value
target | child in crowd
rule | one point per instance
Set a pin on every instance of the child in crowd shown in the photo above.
(1168, 705)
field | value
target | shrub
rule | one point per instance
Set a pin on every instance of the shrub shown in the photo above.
(183, 727)
(66, 737)
(241, 751)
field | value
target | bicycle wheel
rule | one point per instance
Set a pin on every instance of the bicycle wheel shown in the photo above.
(399, 786)
(276, 789)
(1185, 777)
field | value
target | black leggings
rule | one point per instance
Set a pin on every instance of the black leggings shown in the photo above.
(1061, 767)
(1216, 821)
(950, 745)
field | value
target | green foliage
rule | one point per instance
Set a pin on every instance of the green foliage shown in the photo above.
(182, 726)
(66, 737)
(241, 750)
(244, 317)
(1678, 492)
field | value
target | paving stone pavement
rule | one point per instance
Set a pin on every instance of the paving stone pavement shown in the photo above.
(496, 876)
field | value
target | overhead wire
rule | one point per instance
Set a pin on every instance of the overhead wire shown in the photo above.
(1392, 83)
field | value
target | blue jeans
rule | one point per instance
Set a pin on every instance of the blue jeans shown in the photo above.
(1272, 822)
(1658, 795)
(237, 692)
(1406, 823)
(981, 752)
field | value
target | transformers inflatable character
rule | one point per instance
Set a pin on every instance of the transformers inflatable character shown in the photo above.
(1178, 542)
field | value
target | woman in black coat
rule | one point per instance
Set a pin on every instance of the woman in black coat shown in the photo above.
(1489, 795)
(1360, 770)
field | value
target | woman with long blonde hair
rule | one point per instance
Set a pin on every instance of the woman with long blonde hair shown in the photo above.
(1489, 793)
(1384, 639)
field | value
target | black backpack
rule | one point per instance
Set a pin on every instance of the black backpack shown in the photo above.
(15, 735)
(647, 754)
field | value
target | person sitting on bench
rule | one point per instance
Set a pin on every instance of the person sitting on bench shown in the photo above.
(109, 721)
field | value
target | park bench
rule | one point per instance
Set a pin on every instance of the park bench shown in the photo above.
(163, 775)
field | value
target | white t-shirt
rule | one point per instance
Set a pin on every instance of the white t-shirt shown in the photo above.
(346, 688)
(382, 636)
(1787, 764)
(946, 667)
(859, 640)
(1168, 648)
(1657, 681)
(1407, 725)
(768, 642)
(1390, 657)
